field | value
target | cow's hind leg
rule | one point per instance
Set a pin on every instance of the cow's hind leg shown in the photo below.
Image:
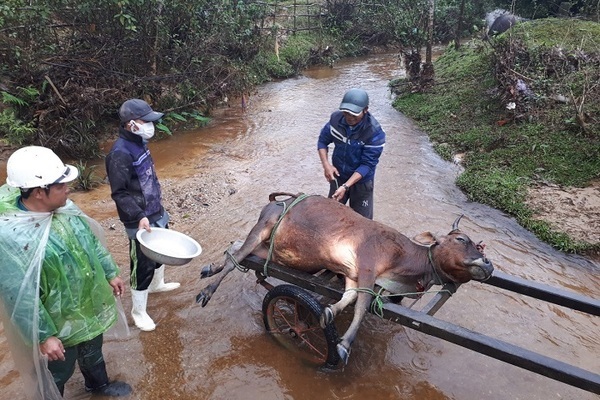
(349, 297)
(360, 309)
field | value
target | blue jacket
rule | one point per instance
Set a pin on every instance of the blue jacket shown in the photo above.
(133, 181)
(356, 148)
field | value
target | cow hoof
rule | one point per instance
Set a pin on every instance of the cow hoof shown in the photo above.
(202, 298)
(344, 353)
(326, 317)
(206, 271)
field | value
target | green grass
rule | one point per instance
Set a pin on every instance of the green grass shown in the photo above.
(465, 112)
(569, 34)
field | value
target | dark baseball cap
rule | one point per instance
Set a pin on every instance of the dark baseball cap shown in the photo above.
(138, 109)
(354, 101)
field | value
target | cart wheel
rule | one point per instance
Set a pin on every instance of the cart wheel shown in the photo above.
(291, 315)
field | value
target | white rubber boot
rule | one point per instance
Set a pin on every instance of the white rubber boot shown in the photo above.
(139, 299)
(158, 282)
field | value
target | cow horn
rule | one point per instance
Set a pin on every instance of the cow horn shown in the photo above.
(455, 224)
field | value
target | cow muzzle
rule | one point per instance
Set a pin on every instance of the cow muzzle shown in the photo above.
(481, 269)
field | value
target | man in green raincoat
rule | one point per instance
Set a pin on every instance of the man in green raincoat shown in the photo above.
(57, 280)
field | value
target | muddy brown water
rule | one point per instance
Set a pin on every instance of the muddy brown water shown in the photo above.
(222, 351)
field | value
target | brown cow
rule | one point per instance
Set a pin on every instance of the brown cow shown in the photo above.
(316, 233)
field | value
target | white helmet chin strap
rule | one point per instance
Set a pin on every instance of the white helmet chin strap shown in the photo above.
(60, 178)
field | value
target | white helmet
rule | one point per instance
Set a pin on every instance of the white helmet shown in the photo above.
(36, 166)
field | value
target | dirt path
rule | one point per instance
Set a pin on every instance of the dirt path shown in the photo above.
(575, 211)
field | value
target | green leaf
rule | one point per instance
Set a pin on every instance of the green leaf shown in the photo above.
(201, 118)
(164, 128)
(8, 98)
(178, 117)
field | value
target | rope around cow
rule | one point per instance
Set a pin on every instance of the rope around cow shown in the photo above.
(271, 245)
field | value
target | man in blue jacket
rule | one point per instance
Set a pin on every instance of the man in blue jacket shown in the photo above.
(358, 143)
(136, 192)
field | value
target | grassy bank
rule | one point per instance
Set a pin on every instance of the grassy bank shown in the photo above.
(520, 110)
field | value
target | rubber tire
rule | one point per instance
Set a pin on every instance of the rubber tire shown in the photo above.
(308, 310)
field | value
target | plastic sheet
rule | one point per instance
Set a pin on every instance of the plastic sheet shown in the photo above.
(26, 240)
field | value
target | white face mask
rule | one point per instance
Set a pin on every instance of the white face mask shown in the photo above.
(145, 130)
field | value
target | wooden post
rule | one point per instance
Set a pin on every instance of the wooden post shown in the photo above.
(295, 5)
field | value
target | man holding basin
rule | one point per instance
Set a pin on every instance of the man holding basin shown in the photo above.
(136, 192)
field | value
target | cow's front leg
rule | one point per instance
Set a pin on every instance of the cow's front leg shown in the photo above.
(236, 253)
(349, 297)
(360, 309)
(205, 294)
(210, 270)
(213, 269)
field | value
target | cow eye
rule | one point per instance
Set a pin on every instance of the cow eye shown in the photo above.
(461, 239)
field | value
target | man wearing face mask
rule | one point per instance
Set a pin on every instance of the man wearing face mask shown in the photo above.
(136, 192)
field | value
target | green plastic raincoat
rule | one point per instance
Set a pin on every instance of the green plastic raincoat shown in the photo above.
(54, 273)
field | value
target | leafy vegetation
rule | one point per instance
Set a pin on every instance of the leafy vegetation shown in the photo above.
(15, 131)
(523, 109)
(87, 179)
(84, 58)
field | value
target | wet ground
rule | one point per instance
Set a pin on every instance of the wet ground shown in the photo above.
(217, 179)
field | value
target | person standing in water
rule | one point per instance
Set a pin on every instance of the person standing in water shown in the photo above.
(358, 141)
(136, 192)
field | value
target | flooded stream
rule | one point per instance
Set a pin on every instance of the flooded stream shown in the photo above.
(222, 351)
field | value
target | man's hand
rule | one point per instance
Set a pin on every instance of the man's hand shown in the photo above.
(118, 286)
(330, 172)
(339, 193)
(53, 349)
(144, 224)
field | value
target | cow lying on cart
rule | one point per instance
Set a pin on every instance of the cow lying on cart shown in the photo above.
(310, 233)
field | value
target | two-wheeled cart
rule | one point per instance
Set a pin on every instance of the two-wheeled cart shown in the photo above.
(291, 315)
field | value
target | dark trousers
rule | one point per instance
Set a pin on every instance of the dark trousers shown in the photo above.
(360, 196)
(141, 267)
(91, 363)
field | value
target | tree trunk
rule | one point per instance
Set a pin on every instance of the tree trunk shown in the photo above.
(412, 65)
(461, 13)
(156, 46)
(427, 73)
(428, 51)
(427, 76)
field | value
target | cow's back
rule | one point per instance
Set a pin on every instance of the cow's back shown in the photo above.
(318, 232)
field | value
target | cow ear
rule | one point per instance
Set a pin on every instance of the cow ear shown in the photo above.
(425, 238)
